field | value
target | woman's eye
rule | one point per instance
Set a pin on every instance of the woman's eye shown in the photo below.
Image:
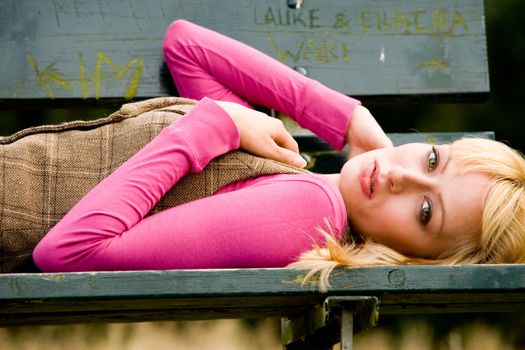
(433, 159)
(426, 211)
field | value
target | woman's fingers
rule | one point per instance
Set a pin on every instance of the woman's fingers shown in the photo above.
(285, 140)
(287, 150)
(263, 135)
(269, 138)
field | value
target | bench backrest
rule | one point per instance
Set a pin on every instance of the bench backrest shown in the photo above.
(57, 51)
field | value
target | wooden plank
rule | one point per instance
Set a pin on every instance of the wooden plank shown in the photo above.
(72, 50)
(207, 294)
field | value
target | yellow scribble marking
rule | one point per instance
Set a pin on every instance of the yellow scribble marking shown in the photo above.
(98, 76)
(320, 51)
(56, 277)
(439, 21)
(48, 76)
(17, 90)
(283, 55)
(431, 140)
(300, 279)
(440, 64)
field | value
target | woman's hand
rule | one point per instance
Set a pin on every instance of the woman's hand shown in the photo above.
(263, 135)
(364, 133)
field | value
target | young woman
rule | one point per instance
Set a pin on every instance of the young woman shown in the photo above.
(417, 203)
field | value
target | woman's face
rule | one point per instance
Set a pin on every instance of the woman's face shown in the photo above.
(411, 198)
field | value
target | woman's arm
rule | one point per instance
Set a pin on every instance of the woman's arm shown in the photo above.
(107, 229)
(125, 197)
(205, 63)
(268, 224)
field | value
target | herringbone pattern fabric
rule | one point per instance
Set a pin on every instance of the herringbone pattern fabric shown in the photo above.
(45, 170)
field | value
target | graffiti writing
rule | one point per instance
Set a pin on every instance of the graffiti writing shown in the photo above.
(413, 22)
(439, 21)
(105, 73)
(279, 17)
(323, 51)
(321, 36)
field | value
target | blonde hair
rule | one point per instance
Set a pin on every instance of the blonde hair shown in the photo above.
(502, 236)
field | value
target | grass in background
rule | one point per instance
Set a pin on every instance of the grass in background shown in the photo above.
(236, 334)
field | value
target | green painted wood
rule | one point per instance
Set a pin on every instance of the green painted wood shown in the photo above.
(72, 50)
(209, 294)
(437, 137)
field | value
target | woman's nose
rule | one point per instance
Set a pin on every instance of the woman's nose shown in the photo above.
(401, 179)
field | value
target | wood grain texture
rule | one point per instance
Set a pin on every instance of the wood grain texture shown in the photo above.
(210, 294)
(72, 50)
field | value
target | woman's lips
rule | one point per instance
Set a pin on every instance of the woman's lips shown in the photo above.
(368, 179)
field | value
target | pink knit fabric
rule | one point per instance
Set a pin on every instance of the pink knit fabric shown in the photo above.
(205, 63)
(262, 222)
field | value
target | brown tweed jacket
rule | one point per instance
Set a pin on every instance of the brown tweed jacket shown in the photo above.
(45, 170)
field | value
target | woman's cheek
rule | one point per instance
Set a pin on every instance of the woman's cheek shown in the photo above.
(383, 222)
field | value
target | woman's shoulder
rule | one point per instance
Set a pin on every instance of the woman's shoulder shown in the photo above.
(313, 185)
(314, 193)
(308, 183)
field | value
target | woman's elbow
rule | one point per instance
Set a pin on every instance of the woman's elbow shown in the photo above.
(47, 258)
(178, 31)
(53, 254)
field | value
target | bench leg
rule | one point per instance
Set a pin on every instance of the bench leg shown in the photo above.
(347, 329)
(330, 323)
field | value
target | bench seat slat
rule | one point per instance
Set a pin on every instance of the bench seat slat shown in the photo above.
(208, 294)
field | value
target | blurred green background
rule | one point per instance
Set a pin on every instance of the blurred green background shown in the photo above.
(503, 113)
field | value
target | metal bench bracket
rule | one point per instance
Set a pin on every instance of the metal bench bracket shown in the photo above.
(336, 320)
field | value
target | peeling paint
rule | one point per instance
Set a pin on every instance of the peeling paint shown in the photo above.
(56, 277)
(431, 140)
(300, 279)
(440, 64)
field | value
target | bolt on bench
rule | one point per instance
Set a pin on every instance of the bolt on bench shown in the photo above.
(90, 54)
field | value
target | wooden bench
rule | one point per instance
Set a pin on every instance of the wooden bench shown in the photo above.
(311, 319)
(71, 53)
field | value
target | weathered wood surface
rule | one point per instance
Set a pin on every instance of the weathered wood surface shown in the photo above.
(72, 50)
(209, 294)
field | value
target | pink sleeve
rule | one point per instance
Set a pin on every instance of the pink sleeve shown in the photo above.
(122, 200)
(205, 63)
(266, 225)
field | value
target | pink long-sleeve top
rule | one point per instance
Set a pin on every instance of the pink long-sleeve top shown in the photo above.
(261, 222)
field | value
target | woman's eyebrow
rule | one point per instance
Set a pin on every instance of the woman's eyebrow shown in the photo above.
(444, 167)
(442, 222)
(440, 197)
